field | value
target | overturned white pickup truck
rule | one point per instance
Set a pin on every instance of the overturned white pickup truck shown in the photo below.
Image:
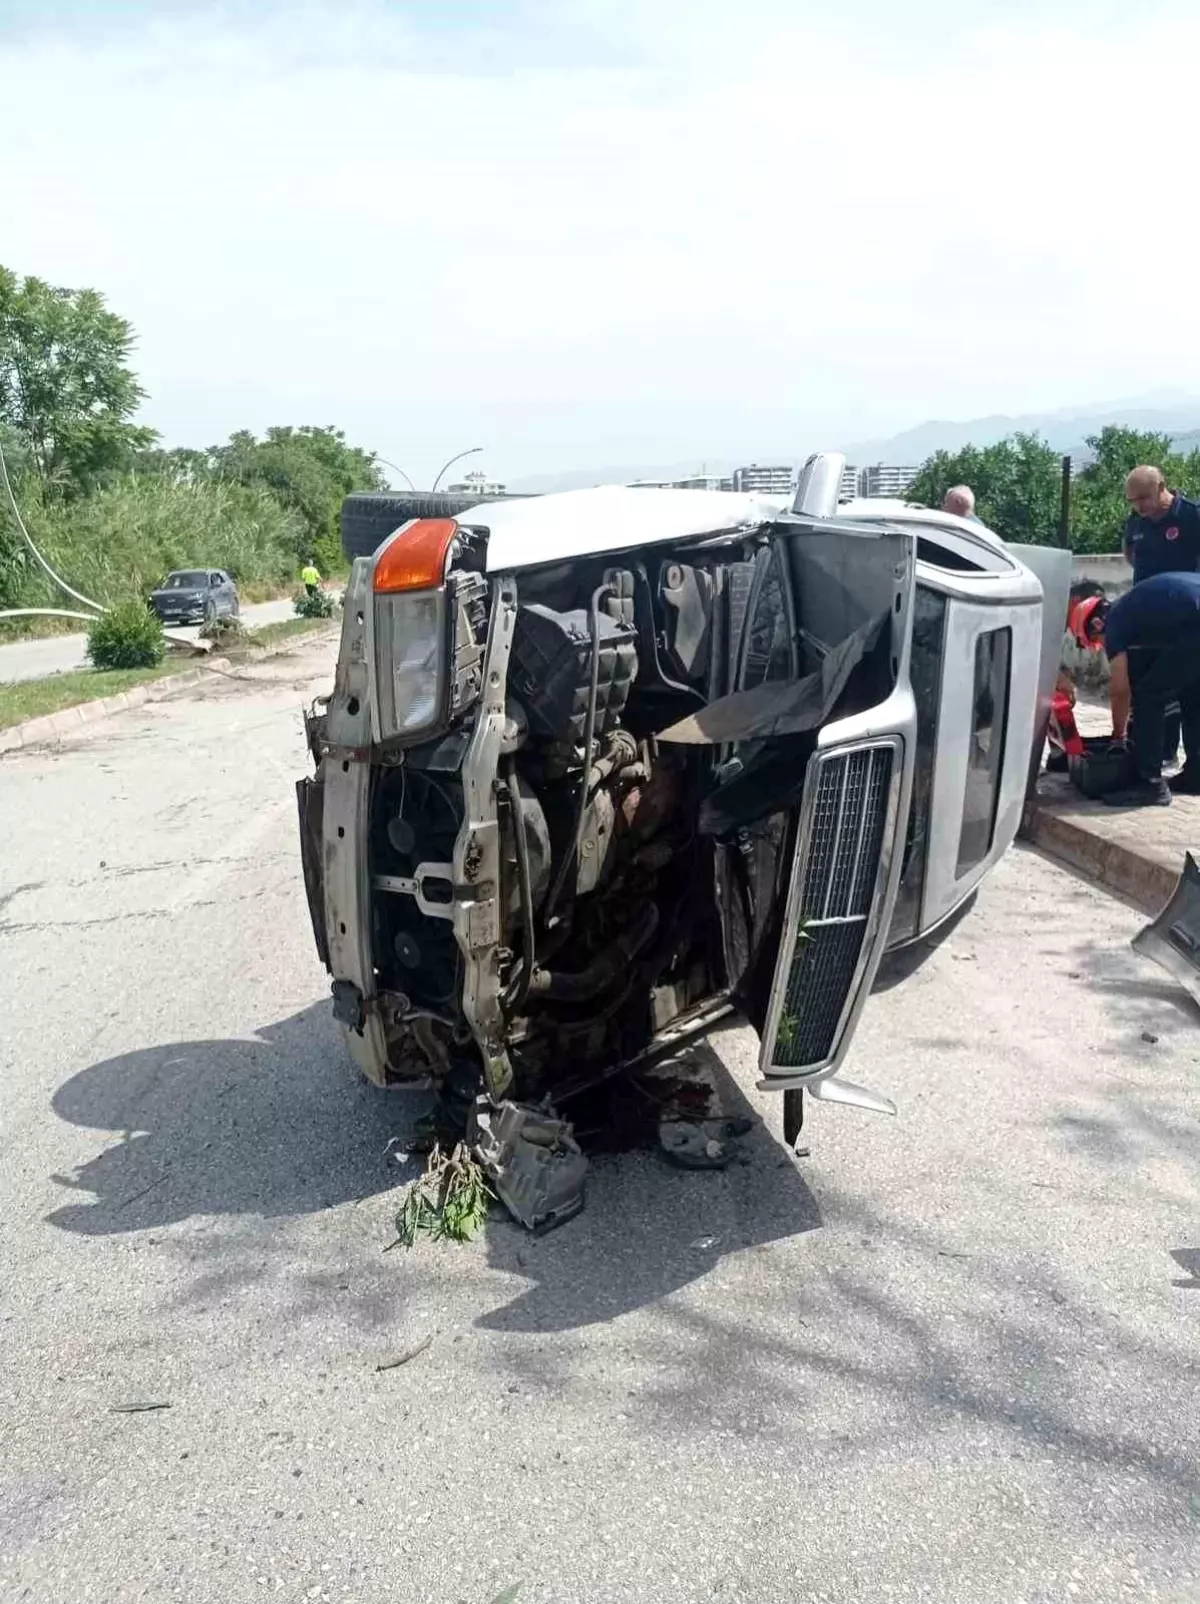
(601, 767)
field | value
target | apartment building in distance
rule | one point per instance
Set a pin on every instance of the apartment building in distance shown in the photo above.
(885, 481)
(778, 479)
(762, 479)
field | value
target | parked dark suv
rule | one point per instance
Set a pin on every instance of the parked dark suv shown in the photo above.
(194, 596)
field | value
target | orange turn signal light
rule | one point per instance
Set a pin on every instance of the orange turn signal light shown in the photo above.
(416, 558)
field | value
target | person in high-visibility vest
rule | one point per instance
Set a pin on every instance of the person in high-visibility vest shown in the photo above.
(310, 576)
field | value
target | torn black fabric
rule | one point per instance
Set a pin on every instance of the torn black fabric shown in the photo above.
(779, 707)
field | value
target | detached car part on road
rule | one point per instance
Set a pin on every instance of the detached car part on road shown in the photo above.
(599, 768)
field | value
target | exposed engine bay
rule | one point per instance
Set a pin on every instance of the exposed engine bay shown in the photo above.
(570, 867)
(605, 895)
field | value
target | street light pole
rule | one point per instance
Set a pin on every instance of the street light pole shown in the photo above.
(396, 469)
(469, 452)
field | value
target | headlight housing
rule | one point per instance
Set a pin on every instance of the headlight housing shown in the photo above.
(411, 645)
(410, 662)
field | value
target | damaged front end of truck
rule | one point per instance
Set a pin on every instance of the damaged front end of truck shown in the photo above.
(597, 770)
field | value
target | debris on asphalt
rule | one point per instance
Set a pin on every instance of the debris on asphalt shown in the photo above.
(533, 1161)
(450, 1199)
(701, 1144)
(153, 1186)
(622, 1114)
(405, 1357)
(137, 1408)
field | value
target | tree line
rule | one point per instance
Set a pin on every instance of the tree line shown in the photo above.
(100, 494)
(1018, 484)
(113, 509)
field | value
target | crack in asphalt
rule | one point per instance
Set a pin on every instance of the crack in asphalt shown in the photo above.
(9, 928)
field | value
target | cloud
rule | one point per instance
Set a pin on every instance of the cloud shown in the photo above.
(674, 229)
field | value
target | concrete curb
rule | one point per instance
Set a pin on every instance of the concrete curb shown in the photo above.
(52, 727)
(1146, 883)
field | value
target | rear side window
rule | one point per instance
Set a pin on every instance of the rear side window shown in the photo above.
(945, 548)
(985, 755)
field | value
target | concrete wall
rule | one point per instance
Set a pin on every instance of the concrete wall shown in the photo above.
(1114, 573)
(1110, 570)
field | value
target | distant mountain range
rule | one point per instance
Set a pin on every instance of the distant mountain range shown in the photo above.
(1173, 413)
(1066, 430)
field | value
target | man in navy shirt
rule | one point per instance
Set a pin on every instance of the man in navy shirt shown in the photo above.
(1162, 615)
(1162, 535)
(1162, 532)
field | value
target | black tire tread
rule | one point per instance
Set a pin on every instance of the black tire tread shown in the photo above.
(369, 517)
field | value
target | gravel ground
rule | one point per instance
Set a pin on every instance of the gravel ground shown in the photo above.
(948, 1357)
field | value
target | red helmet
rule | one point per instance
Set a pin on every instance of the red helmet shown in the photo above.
(1079, 618)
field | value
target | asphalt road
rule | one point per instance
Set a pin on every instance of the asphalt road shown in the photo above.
(950, 1357)
(58, 654)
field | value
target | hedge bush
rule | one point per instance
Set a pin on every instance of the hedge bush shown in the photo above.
(129, 635)
(319, 605)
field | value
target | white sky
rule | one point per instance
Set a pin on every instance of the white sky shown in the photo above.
(595, 231)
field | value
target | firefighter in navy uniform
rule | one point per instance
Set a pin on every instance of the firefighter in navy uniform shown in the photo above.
(1162, 535)
(1162, 532)
(1161, 617)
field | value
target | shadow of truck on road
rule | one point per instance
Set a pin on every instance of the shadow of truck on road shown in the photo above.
(277, 1126)
(650, 1229)
(273, 1125)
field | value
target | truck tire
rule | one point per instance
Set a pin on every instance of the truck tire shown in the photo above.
(368, 518)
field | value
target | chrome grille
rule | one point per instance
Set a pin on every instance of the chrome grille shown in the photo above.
(841, 878)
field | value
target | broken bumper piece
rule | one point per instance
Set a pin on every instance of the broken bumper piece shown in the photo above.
(533, 1161)
(1173, 939)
